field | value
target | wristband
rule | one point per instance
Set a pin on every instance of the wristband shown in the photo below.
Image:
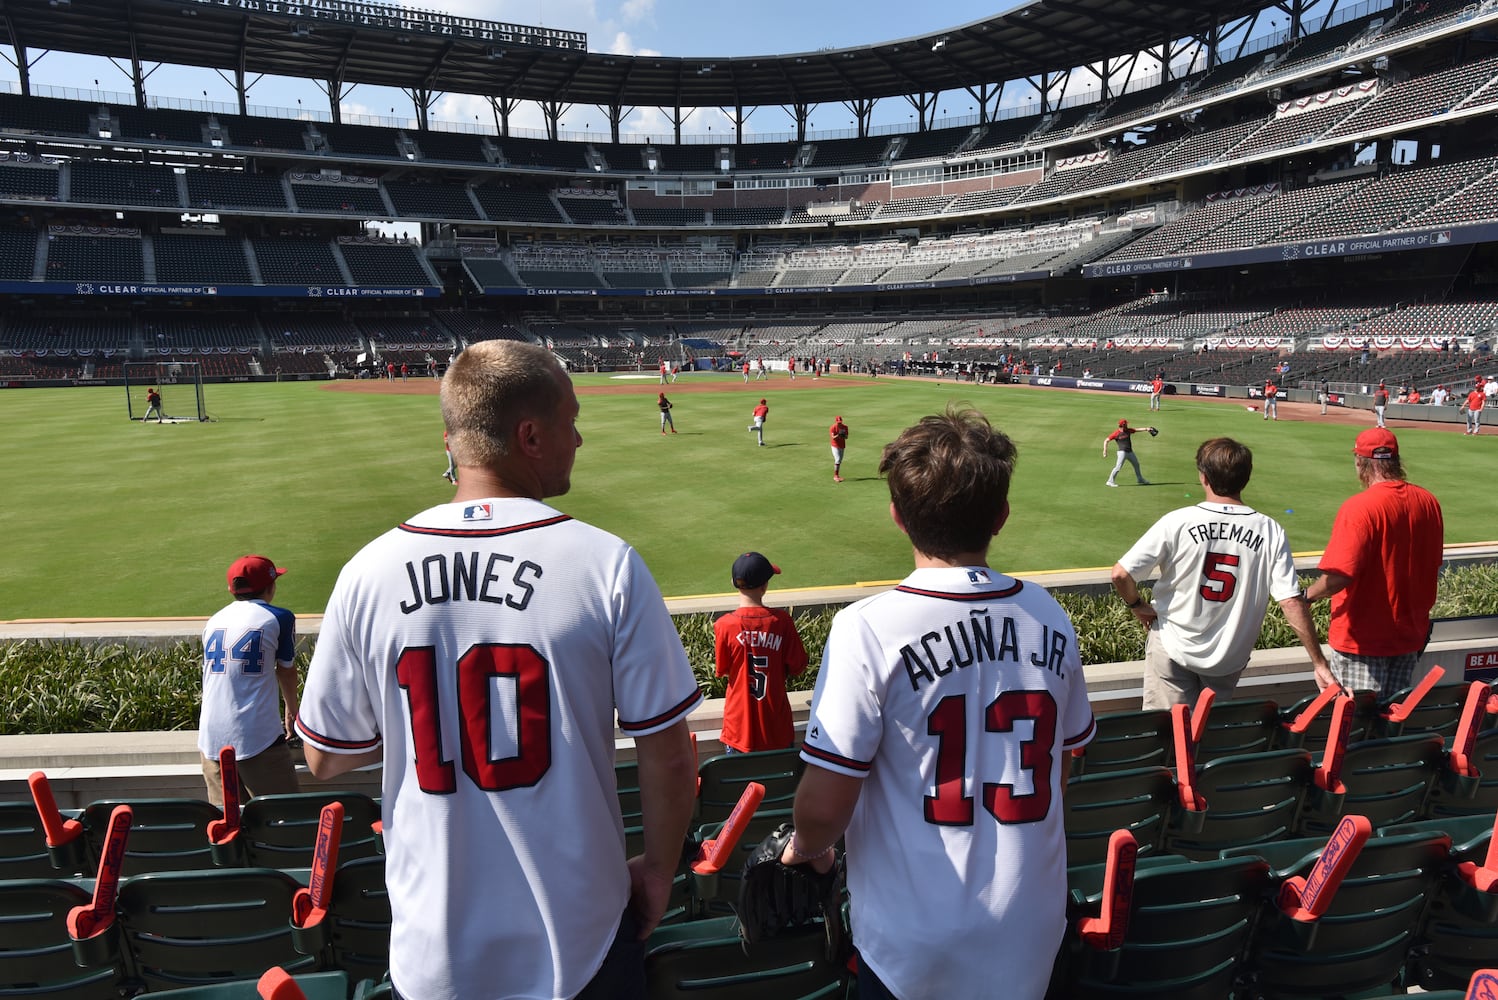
(800, 857)
(1138, 600)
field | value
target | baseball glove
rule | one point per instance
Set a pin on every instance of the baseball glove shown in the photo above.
(776, 898)
(1154, 432)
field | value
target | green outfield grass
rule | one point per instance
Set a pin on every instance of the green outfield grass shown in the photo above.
(103, 517)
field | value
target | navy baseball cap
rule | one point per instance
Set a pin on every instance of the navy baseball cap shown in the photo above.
(252, 575)
(752, 570)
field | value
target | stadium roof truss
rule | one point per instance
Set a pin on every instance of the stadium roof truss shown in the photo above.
(342, 43)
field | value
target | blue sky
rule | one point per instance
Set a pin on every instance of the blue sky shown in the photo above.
(645, 27)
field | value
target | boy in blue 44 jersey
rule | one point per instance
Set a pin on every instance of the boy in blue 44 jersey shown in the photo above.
(248, 653)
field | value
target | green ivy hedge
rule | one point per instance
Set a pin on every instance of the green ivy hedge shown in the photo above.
(65, 687)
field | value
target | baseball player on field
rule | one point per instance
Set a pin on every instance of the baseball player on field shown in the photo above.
(249, 649)
(482, 650)
(839, 434)
(756, 648)
(153, 405)
(1271, 399)
(939, 737)
(666, 420)
(761, 413)
(1380, 402)
(1157, 386)
(1124, 438)
(1476, 399)
(1220, 562)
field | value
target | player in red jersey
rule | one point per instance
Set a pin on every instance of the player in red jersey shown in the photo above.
(756, 648)
(839, 434)
(1475, 401)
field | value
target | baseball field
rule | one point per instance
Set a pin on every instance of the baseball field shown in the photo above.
(104, 517)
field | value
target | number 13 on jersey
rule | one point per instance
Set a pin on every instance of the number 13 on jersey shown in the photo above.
(952, 805)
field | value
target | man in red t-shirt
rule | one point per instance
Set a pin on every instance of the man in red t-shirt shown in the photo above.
(1380, 569)
(1473, 408)
(1157, 386)
(1271, 399)
(756, 648)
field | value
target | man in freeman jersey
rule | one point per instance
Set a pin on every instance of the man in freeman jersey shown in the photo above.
(481, 650)
(939, 738)
(1220, 562)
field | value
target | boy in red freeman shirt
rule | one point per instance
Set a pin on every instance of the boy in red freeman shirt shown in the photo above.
(756, 648)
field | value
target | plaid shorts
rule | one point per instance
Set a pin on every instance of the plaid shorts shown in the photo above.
(1384, 675)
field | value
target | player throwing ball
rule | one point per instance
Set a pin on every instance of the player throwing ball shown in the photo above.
(1124, 439)
(839, 433)
(939, 739)
(482, 650)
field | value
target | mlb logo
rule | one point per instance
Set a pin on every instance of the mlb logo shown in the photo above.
(478, 512)
(977, 576)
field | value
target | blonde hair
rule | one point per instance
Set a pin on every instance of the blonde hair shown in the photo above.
(489, 389)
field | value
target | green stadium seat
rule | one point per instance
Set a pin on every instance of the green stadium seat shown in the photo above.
(198, 928)
(1252, 798)
(1125, 740)
(1314, 734)
(23, 843)
(36, 954)
(1139, 800)
(280, 831)
(722, 780)
(1455, 938)
(705, 960)
(166, 835)
(1189, 927)
(314, 986)
(1362, 943)
(1387, 780)
(359, 915)
(1238, 726)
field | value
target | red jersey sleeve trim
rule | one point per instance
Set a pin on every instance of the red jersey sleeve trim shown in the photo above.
(826, 755)
(1081, 738)
(987, 595)
(484, 532)
(335, 744)
(680, 708)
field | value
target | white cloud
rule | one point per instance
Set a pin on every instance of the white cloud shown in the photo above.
(637, 10)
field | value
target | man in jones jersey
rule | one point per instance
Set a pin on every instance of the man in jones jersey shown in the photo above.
(481, 650)
(938, 740)
(1219, 564)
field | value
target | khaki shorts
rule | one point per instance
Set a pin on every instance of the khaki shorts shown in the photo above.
(270, 772)
(1168, 683)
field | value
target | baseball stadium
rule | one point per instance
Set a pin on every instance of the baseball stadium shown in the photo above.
(226, 328)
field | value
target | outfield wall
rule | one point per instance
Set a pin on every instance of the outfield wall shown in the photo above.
(84, 767)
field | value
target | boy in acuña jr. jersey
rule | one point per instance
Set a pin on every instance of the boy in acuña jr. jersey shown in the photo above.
(248, 670)
(482, 649)
(1220, 564)
(939, 738)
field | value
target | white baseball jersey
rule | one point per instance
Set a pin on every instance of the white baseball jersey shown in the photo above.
(242, 647)
(1219, 566)
(955, 696)
(487, 644)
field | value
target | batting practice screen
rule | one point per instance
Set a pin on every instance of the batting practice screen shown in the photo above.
(179, 384)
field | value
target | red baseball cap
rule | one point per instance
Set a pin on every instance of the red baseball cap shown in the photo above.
(1124, 422)
(1376, 442)
(252, 575)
